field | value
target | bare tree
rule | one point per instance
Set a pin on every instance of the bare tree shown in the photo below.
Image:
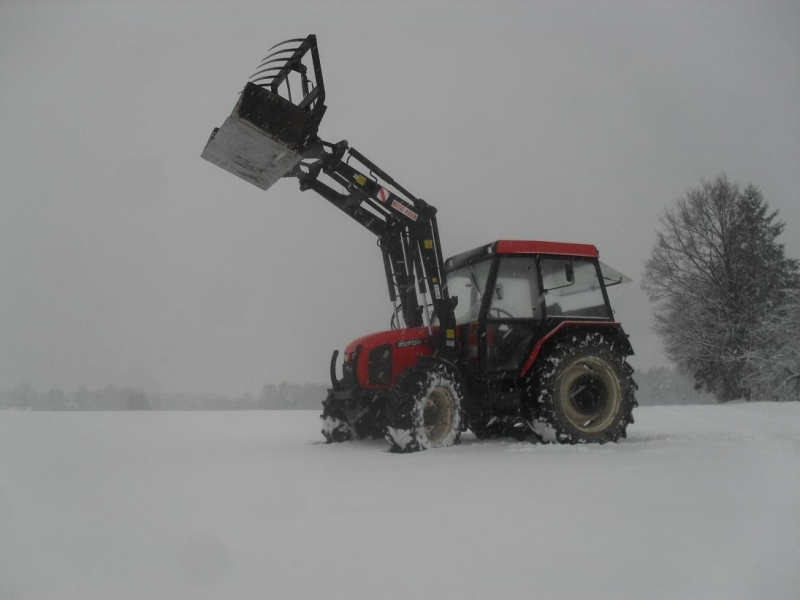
(715, 269)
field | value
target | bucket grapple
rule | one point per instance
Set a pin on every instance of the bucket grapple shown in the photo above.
(272, 124)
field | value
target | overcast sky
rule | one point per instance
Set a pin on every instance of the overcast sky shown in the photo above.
(127, 259)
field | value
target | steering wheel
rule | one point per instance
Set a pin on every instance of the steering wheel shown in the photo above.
(500, 312)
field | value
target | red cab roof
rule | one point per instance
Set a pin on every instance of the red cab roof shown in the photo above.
(534, 247)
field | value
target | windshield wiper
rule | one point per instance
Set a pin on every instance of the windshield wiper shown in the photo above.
(475, 281)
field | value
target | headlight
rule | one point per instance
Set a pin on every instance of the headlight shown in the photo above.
(380, 365)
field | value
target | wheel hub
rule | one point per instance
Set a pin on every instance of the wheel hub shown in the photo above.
(590, 394)
(437, 414)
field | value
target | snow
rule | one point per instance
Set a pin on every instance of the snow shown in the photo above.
(698, 502)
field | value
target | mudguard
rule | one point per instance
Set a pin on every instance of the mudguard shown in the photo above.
(613, 328)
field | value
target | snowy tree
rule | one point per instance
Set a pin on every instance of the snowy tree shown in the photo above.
(137, 401)
(55, 400)
(715, 271)
(773, 362)
(268, 393)
(22, 396)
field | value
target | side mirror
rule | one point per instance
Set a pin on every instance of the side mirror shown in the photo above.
(559, 278)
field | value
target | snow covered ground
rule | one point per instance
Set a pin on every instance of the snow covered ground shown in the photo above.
(698, 502)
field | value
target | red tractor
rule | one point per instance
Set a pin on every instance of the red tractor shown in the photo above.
(515, 338)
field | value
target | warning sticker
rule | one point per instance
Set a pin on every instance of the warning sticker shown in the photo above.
(383, 195)
(404, 210)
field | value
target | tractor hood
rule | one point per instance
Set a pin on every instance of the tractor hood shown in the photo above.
(379, 358)
(415, 337)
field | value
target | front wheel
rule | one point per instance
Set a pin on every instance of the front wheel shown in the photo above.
(581, 391)
(336, 427)
(425, 409)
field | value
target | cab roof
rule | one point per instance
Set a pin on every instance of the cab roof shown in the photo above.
(537, 247)
(523, 247)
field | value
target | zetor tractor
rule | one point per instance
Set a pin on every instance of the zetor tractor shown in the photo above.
(515, 338)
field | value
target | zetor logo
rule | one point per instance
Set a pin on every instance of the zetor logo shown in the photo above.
(409, 343)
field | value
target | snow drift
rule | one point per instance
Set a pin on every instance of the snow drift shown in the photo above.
(698, 502)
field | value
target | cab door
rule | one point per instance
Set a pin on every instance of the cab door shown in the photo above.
(513, 314)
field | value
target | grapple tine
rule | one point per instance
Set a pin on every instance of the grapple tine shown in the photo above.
(267, 62)
(287, 42)
(284, 51)
(264, 71)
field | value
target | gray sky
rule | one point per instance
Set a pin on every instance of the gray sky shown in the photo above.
(126, 259)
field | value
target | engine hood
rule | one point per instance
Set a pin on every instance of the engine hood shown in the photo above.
(378, 359)
(397, 338)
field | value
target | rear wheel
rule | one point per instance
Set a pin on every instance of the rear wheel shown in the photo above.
(425, 409)
(581, 391)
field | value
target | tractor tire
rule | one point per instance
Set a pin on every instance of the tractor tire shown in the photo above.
(336, 427)
(581, 391)
(425, 410)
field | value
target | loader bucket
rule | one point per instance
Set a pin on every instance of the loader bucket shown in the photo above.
(266, 134)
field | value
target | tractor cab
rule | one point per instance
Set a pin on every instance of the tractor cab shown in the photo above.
(512, 294)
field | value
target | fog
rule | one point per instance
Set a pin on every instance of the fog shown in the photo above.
(126, 259)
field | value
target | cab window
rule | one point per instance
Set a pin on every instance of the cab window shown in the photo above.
(572, 289)
(468, 284)
(516, 290)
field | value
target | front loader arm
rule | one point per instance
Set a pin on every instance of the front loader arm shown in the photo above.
(271, 134)
(406, 226)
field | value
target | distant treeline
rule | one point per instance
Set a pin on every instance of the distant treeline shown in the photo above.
(657, 386)
(286, 396)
